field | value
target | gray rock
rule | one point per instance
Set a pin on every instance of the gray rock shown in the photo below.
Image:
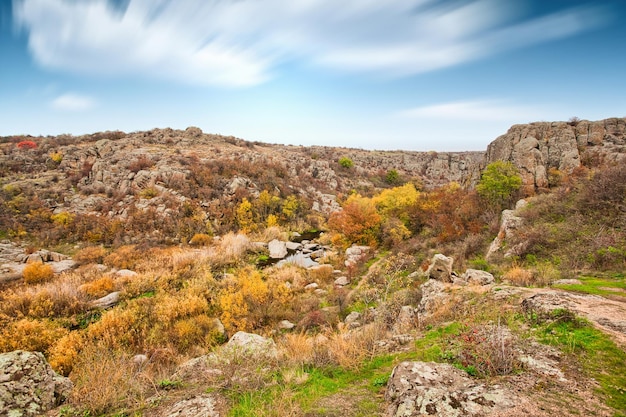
(510, 222)
(107, 301)
(278, 249)
(286, 325)
(426, 388)
(312, 286)
(293, 246)
(355, 253)
(62, 266)
(352, 317)
(28, 385)
(433, 296)
(567, 282)
(126, 273)
(440, 268)
(407, 320)
(250, 345)
(342, 281)
(477, 277)
(205, 405)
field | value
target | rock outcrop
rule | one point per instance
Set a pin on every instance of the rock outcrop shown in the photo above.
(538, 148)
(28, 385)
(426, 388)
(440, 268)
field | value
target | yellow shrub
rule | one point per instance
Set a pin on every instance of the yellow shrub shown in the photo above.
(90, 254)
(125, 257)
(200, 239)
(32, 335)
(37, 272)
(99, 287)
(64, 352)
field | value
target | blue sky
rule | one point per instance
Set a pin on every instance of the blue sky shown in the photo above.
(395, 74)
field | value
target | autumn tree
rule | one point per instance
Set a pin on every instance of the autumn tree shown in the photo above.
(359, 221)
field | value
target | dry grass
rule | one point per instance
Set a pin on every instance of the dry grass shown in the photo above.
(89, 255)
(519, 276)
(230, 250)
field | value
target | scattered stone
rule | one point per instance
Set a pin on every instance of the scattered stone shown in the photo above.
(293, 246)
(355, 253)
(286, 325)
(126, 273)
(433, 296)
(251, 345)
(567, 282)
(312, 286)
(28, 385)
(477, 277)
(426, 388)
(278, 249)
(407, 320)
(320, 292)
(204, 405)
(107, 301)
(352, 317)
(342, 281)
(440, 268)
(139, 360)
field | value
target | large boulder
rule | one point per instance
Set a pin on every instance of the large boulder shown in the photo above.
(477, 277)
(250, 344)
(354, 254)
(433, 296)
(510, 222)
(278, 249)
(438, 389)
(440, 268)
(28, 385)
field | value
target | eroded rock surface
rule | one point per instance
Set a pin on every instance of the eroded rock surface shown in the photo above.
(437, 389)
(28, 385)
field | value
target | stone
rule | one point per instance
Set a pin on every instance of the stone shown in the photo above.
(312, 286)
(277, 249)
(352, 317)
(250, 345)
(108, 301)
(140, 359)
(427, 388)
(571, 281)
(440, 268)
(477, 277)
(293, 246)
(510, 222)
(28, 385)
(342, 281)
(204, 405)
(433, 296)
(355, 253)
(286, 325)
(126, 273)
(407, 320)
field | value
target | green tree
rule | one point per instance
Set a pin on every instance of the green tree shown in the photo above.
(499, 183)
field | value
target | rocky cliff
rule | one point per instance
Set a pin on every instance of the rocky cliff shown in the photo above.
(541, 149)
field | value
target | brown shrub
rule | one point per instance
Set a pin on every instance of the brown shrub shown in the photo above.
(125, 257)
(37, 272)
(99, 287)
(519, 276)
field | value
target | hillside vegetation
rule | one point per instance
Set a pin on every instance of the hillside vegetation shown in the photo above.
(177, 229)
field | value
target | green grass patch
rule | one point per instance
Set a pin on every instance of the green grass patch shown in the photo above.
(599, 285)
(600, 357)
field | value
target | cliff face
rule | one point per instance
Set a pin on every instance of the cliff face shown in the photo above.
(536, 148)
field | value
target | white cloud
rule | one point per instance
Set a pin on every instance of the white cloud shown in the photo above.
(240, 42)
(478, 111)
(73, 102)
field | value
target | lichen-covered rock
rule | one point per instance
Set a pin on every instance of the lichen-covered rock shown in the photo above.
(437, 389)
(355, 253)
(277, 249)
(510, 222)
(440, 268)
(477, 277)
(28, 385)
(433, 296)
(250, 344)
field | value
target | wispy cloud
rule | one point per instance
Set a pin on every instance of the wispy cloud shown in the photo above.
(478, 111)
(241, 42)
(73, 102)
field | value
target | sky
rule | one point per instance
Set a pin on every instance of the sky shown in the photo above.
(443, 75)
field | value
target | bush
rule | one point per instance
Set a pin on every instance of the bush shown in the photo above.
(345, 162)
(26, 144)
(37, 272)
(90, 255)
(499, 183)
(200, 239)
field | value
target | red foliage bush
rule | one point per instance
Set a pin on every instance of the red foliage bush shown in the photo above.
(27, 144)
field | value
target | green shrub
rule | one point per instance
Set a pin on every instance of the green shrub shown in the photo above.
(346, 162)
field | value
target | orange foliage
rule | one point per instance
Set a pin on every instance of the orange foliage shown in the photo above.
(37, 272)
(359, 221)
